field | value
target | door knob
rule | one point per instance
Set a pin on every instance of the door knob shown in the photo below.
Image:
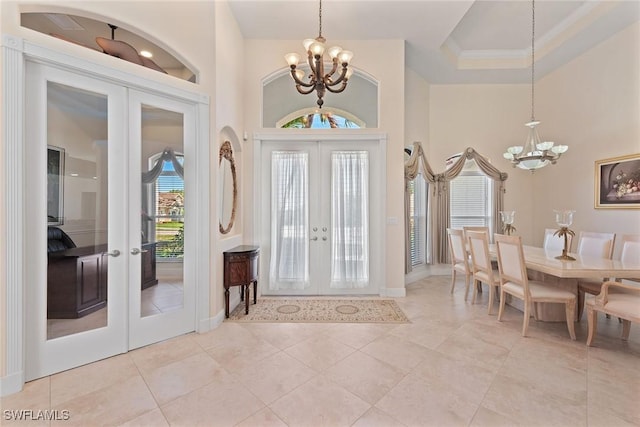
(324, 238)
(314, 238)
(114, 253)
(136, 251)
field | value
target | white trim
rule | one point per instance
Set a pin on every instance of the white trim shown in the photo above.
(393, 292)
(312, 110)
(14, 210)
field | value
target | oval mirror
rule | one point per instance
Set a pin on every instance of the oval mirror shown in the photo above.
(227, 188)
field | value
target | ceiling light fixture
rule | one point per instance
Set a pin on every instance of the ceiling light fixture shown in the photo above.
(535, 154)
(318, 80)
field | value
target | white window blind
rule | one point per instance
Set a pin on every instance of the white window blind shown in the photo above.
(417, 220)
(470, 200)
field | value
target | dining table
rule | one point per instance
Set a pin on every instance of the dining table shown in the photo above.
(543, 266)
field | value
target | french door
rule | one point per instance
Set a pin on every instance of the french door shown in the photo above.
(90, 145)
(320, 217)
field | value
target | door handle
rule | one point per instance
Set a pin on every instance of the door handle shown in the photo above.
(136, 251)
(324, 238)
(114, 253)
(314, 238)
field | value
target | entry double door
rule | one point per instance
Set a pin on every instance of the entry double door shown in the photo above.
(321, 200)
(107, 171)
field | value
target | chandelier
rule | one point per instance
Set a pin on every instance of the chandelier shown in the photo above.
(535, 153)
(318, 80)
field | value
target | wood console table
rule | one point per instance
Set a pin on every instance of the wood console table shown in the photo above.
(241, 269)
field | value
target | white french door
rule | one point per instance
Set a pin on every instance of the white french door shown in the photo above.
(88, 145)
(320, 209)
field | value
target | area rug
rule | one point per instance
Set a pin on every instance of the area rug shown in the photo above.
(314, 310)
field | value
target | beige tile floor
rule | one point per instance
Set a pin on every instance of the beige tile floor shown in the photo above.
(453, 365)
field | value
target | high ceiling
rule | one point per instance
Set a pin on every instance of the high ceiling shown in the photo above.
(454, 41)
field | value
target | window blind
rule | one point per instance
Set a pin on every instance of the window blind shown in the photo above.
(417, 220)
(470, 200)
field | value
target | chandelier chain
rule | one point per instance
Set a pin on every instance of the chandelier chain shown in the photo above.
(533, 54)
(320, 20)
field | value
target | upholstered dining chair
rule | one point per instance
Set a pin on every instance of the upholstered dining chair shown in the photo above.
(596, 245)
(617, 299)
(459, 258)
(481, 268)
(514, 281)
(555, 243)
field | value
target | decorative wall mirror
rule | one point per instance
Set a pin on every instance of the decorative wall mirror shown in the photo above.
(228, 188)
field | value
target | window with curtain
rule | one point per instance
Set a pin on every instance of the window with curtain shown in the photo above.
(471, 199)
(417, 220)
(350, 219)
(289, 267)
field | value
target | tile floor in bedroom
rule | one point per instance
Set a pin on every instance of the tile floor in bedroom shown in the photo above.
(453, 365)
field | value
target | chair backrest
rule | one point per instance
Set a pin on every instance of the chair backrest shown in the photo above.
(511, 263)
(457, 246)
(466, 229)
(599, 245)
(58, 240)
(479, 246)
(555, 243)
(629, 251)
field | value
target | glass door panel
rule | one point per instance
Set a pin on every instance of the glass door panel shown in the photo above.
(77, 210)
(160, 239)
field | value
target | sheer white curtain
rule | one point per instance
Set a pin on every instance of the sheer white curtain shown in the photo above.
(289, 267)
(350, 219)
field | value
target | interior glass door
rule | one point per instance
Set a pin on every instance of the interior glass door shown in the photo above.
(160, 241)
(77, 301)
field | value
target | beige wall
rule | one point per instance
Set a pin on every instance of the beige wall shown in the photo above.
(590, 104)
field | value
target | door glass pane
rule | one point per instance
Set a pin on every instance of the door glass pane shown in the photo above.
(289, 266)
(162, 216)
(77, 206)
(349, 219)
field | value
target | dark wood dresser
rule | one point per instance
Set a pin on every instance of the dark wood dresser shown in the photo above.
(241, 269)
(148, 265)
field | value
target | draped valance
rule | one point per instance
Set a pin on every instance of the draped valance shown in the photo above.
(438, 198)
(168, 155)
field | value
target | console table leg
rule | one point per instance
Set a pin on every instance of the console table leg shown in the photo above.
(255, 291)
(246, 300)
(226, 302)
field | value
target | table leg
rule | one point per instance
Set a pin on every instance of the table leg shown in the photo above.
(226, 302)
(255, 291)
(246, 300)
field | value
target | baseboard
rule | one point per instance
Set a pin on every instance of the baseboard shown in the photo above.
(12, 383)
(393, 292)
(215, 321)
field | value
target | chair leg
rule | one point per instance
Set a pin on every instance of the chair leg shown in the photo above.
(453, 279)
(581, 296)
(527, 314)
(571, 314)
(626, 328)
(592, 320)
(476, 283)
(501, 310)
(490, 298)
(467, 282)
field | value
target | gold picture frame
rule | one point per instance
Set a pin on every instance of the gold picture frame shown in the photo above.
(617, 182)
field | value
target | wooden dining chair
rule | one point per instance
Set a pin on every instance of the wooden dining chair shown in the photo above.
(555, 243)
(481, 267)
(617, 299)
(514, 281)
(459, 258)
(596, 245)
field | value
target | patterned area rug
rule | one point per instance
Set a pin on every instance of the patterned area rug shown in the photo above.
(355, 310)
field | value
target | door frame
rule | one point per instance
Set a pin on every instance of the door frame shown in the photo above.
(377, 265)
(15, 52)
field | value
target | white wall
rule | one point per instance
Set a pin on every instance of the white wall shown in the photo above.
(591, 104)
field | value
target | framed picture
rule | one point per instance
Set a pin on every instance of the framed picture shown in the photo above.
(55, 185)
(617, 183)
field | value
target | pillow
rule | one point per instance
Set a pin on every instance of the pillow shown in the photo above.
(119, 49)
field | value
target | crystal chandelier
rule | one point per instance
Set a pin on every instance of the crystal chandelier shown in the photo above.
(535, 153)
(318, 80)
